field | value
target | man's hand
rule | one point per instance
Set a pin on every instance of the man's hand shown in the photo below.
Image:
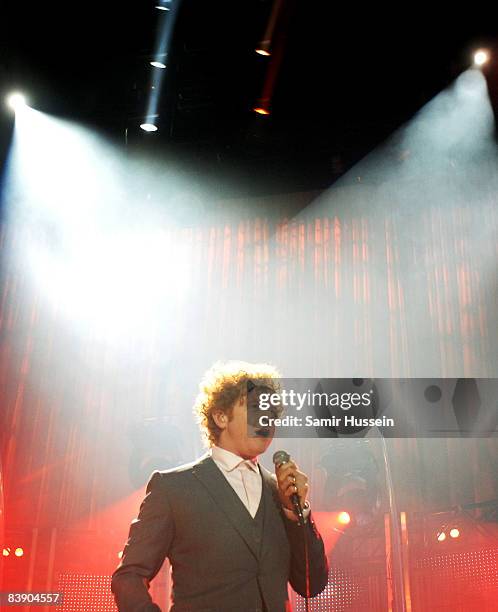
(290, 480)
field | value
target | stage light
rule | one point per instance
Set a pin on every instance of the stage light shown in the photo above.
(148, 127)
(261, 110)
(352, 486)
(162, 6)
(263, 48)
(16, 101)
(441, 536)
(19, 552)
(6, 552)
(455, 532)
(344, 518)
(481, 57)
(120, 554)
(158, 64)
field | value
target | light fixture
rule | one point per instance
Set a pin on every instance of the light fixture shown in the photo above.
(161, 6)
(455, 532)
(344, 518)
(441, 536)
(148, 127)
(263, 48)
(16, 101)
(158, 64)
(481, 57)
(275, 16)
(262, 106)
(19, 552)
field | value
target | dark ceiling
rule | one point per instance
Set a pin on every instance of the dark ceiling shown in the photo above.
(349, 75)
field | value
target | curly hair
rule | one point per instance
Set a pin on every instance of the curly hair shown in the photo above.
(222, 385)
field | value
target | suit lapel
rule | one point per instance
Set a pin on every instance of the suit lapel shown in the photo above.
(269, 480)
(270, 492)
(225, 497)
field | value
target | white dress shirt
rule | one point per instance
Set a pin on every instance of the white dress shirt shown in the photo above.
(243, 475)
(245, 479)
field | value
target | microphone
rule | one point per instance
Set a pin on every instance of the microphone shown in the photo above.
(279, 458)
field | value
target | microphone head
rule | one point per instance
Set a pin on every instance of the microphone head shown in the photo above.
(280, 457)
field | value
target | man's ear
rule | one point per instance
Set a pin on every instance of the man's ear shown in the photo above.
(220, 418)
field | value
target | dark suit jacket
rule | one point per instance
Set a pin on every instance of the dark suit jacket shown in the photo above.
(194, 517)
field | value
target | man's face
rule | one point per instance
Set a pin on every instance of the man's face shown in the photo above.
(237, 437)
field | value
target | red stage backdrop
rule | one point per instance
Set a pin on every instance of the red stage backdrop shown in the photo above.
(328, 291)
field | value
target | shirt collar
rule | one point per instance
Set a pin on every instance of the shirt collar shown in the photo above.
(229, 461)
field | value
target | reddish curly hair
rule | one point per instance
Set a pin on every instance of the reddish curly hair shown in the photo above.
(222, 385)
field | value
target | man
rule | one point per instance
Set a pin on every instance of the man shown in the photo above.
(225, 523)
